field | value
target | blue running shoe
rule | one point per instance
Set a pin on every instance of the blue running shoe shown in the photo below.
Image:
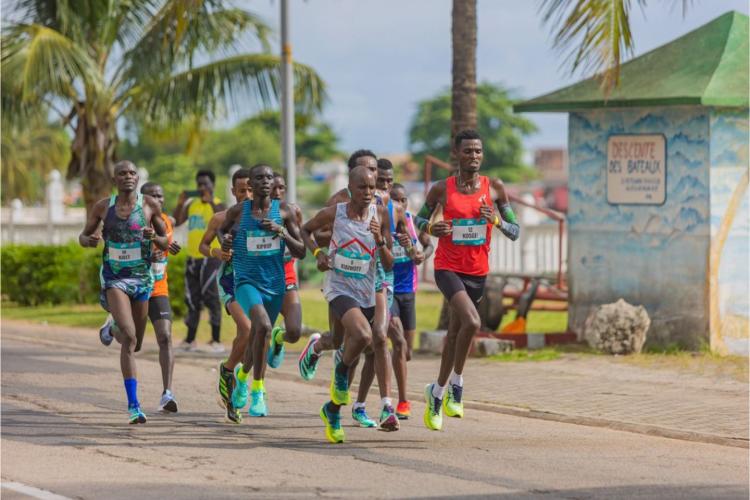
(334, 431)
(339, 382)
(136, 415)
(360, 416)
(308, 359)
(239, 394)
(105, 332)
(258, 406)
(276, 350)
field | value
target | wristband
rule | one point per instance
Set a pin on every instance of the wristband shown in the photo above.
(496, 221)
(316, 252)
(381, 244)
(429, 228)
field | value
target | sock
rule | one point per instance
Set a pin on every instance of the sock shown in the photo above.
(257, 385)
(131, 389)
(242, 374)
(280, 336)
(215, 332)
(358, 405)
(438, 390)
(385, 402)
(457, 379)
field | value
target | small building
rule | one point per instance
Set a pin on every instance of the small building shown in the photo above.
(658, 174)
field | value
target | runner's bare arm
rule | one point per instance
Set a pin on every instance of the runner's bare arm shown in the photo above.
(322, 219)
(180, 210)
(88, 237)
(427, 247)
(435, 196)
(506, 222)
(230, 219)
(158, 230)
(383, 237)
(292, 235)
(204, 246)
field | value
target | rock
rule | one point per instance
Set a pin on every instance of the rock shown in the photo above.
(432, 341)
(618, 328)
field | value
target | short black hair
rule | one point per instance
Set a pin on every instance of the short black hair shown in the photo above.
(241, 173)
(398, 185)
(385, 164)
(206, 173)
(359, 154)
(258, 165)
(465, 135)
(147, 186)
(277, 175)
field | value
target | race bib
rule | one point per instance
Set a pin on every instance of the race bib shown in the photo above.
(158, 269)
(400, 254)
(125, 254)
(351, 264)
(469, 231)
(263, 243)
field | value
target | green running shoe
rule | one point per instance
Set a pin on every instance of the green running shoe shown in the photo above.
(276, 350)
(388, 419)
(308, 359)
(239, 394)
(452, 402)
(258, 406)
(334, 432)
(226, 379)
(339, 382)
(360, 416)
(136, 415)
(433, 418)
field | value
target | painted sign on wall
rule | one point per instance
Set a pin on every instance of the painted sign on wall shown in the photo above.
(636, 169)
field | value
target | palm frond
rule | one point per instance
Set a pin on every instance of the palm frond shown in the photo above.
(237, 83)
(595, 34)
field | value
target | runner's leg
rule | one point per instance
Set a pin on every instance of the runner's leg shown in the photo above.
(163, 330)
(396, 334)
(242, 339)
(463, 326)
(292, 312)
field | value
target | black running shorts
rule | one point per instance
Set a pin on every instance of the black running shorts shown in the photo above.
(341, 305)
(159, 308)
(450, 283)
(404, 308)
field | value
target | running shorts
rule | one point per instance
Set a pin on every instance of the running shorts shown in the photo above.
(290, 276)
(404, 308)
(248, 297)
(340, 305)
(134, 288)
(450, 283)
(226, 289)
(159, 308)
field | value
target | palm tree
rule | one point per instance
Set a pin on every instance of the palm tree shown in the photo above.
(152, 62)
(464, 70)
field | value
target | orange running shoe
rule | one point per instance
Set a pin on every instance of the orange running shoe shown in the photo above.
(403, 410)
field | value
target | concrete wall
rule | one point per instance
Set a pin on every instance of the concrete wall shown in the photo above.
(730, 231)
(655, 256)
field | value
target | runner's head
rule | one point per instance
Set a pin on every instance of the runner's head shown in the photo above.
(155, 191)
(240, 187)
(205, 180)
(363, 158)
(362, 185)
(468, 146)
(261, 180)
(279, 187)
(398, 195)
(385, 175)
(126, 176)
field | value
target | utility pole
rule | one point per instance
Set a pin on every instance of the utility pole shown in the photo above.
(288, 153)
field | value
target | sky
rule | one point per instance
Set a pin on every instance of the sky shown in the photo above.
(380, 58)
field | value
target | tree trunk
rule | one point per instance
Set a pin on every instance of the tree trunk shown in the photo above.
(93, 154)
(464, 88)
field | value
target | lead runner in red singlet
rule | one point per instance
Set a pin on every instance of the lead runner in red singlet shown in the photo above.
(473, 204)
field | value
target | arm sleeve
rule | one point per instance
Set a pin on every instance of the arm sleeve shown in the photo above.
(508, 222)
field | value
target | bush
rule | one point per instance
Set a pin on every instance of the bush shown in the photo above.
(67, 274)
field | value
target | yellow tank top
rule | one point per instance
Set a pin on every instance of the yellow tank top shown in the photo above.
(198, 215)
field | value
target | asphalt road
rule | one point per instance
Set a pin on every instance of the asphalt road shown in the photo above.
(64, 431)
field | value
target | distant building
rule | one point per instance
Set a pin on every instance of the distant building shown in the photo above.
(552, 164)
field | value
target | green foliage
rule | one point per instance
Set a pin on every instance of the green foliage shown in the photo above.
(501, 131)
(246, 144)
(545, 354)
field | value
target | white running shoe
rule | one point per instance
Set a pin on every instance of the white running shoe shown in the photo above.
(217, 347)
(167, 404)
(188, 346)
(105, 332)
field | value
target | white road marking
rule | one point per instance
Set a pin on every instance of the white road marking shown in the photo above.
(31, 491)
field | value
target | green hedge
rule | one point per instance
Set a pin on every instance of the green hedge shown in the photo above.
(67, 274)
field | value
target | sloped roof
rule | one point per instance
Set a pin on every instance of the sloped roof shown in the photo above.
(708, 66)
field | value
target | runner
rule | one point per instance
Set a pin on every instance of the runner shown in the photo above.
(225, 281)
(461, 263)
(360, 232)
(131, 223)
(291, 309)
(197, 208)
(264, 228)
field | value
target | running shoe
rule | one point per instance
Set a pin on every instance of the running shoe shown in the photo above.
(226, 384)
(233, 415)
(217, 347)
(258, 406)
(433, 417)
(334, 431)
(167, 403)
(360, 416)
(388, 419)
(452, 402)
(275, 349)
(105, 332)
(239, 393)
(339, 383)
(403, 410)
(308, 360)
(136, 416)
(188, 346)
